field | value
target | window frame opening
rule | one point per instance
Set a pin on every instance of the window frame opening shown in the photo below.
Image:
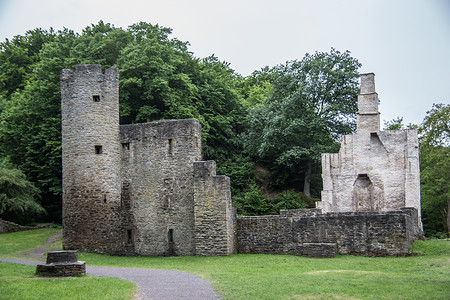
(170, 235)
(98, 149)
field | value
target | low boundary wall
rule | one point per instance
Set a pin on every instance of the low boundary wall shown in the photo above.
(311, 233)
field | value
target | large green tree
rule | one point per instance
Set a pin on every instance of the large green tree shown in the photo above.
(435, 170)
(312, 104)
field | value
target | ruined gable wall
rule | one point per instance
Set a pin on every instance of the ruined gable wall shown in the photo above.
(91, 160)
(213, 212)
(157, 164)
(374, 170)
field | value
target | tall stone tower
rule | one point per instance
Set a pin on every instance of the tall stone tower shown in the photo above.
(92, 218)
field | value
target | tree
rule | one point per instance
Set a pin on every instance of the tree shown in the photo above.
(17, 59)
(313, 103)
(435, 169)
(17, 195)
(395, 124)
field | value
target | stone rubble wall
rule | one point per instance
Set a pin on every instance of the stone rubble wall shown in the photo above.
(213, 212)
(311, 234)
(157, 161)
(7, 226)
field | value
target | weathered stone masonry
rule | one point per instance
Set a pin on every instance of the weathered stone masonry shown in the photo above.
(311, 233)
(131, 189)
(143, 189)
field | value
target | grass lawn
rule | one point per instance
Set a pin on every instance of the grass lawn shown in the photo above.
(11, 243)
(19, 282)
(294, 277)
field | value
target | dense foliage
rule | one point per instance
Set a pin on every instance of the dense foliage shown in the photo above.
(266, 131)
(17, 194)
(435, 170)
(311, 105)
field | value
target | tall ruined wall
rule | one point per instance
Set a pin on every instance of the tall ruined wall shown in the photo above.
(310, 233)
(157, 172)
(92, 217)
(213, 214)
(374, 170)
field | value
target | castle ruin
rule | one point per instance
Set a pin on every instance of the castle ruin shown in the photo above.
(143, 189)
(139, 189)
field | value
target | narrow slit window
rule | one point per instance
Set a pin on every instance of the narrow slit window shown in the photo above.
(98, 149)
(104, 198)
(170, 150)
(129, 237)
(96, 98)
(170, 237)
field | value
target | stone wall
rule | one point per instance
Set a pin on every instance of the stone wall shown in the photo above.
(7, 226)
(310, 233)
(213, 214)
(157, 166)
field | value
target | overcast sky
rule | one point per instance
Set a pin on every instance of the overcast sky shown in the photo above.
(406, 43)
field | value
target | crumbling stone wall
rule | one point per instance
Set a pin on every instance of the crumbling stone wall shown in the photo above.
(311, 233)
(130, 189)
(213, 213)
(374, 170)
(157, 161)
(7, 226)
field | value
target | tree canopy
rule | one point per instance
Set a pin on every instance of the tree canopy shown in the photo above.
(435, 169)
(312, 104)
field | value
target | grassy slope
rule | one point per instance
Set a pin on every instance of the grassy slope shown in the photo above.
(293, 277)
(11, 243)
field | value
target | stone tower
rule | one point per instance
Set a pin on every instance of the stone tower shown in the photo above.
(92, 218)
(134, 189)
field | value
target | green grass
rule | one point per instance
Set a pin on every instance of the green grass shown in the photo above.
(11, 243)
(294, 277)
(19, 282)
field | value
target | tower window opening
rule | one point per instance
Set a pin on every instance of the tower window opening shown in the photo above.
(104, 198)
(126, 146)
(170, 150)
(98, 149)
(170, 235)
(129, 237)
(96, 98)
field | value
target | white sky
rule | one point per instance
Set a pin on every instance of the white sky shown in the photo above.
(406, 43)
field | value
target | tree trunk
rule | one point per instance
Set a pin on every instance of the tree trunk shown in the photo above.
(307, 183)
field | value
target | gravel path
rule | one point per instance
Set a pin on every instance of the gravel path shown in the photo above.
(152, 284)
